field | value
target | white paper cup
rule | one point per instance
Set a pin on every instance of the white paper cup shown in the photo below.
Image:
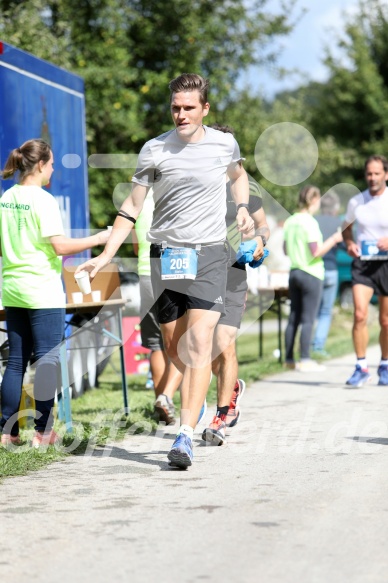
(96, 295)
(77, 297)
(83, 280)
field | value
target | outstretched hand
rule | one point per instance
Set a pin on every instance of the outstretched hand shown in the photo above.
(93, 266)
(103, 236)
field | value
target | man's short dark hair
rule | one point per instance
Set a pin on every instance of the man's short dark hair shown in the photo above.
(376, 158)
(190, 82)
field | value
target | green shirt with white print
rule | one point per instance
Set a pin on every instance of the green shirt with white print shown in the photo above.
(31, 271)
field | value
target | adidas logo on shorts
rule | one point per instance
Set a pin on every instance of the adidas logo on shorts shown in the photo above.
(218, 300)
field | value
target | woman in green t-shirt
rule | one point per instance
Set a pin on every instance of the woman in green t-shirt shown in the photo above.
(303, 244)
(32, 241)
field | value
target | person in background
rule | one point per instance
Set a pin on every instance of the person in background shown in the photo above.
(329, 223)
(369, 210)
(230, 389)
(32, 241)
(166, 377)
(277, 260)
(303, 244)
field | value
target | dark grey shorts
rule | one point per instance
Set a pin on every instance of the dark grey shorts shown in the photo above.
(236, 294)
(151, 336)
(206, 292)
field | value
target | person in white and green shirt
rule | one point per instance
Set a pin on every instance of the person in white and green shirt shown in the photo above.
(303, 244)
(32, 241)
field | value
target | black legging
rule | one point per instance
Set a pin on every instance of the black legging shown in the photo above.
(305, 294)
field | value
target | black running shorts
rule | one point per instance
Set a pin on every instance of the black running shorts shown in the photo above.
(206, 292)
(373, 274)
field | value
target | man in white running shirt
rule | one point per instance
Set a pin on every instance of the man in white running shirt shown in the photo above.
(368, 244)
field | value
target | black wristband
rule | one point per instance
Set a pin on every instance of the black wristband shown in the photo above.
(242, 205)
(126, 216)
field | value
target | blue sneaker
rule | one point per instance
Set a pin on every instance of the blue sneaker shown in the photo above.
(181, 453)
(359, 377)
(202, 412)
(382, 371)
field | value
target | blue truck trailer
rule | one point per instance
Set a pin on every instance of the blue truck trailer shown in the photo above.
(40, 100)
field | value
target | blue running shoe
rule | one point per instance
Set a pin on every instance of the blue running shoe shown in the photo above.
(181, 453)
(382, 371)
(359, 377)
(202, 412)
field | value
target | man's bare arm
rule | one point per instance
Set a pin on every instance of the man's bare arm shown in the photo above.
(239, 187)
(260, 228)
(132, 206)
(351, 246)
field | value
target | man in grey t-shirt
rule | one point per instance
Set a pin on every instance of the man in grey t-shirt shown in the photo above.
(186, 168)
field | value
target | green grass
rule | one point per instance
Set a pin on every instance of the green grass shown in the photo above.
(98, 414)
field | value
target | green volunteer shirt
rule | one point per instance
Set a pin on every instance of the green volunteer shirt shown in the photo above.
(299, 230)
(31, 270)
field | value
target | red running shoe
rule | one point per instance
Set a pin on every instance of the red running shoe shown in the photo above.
(215, 433)
(234, 412)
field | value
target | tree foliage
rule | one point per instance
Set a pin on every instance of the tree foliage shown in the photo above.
(128, 50)
(347, 115)
(352, 107)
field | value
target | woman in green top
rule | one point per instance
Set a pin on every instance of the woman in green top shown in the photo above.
(32, 240)
(303, 244)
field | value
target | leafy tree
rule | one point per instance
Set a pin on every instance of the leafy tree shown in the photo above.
(352, 107)
(250, 117)
(128, 50)
(347, 115)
